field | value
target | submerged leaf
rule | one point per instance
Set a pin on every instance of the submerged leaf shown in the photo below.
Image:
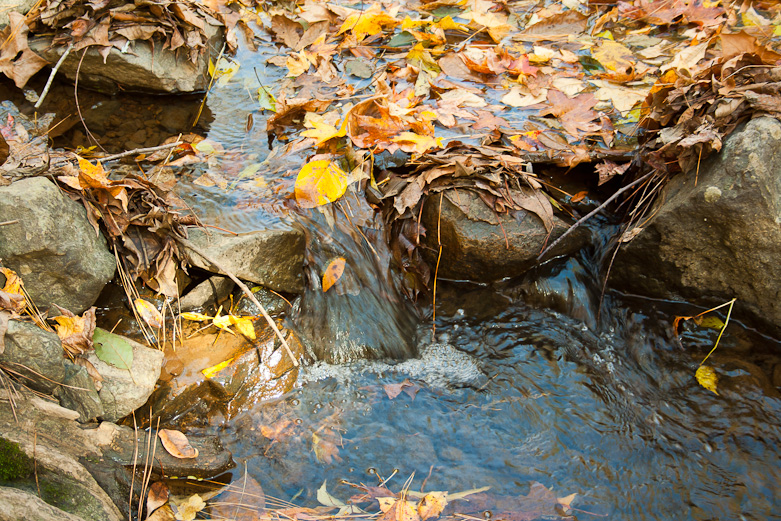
(148, 313)
(333, 273)
(706, 377)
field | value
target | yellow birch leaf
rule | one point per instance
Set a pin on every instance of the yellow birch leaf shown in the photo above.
(297, 64)
(411, 142)
(447, 23)
(707, 378)
(409, 23)
(320, 182)
(367, 23)
(209, 372)
(148, 313)
(13, 282)
(223, 323)
(244, 325)
(333, 273)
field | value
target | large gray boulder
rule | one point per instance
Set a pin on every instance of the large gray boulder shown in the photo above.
(271, 258)
(479, 244)
(143, 67)
(123, 391)
(52, 246)
(716, 236)
(37, 356)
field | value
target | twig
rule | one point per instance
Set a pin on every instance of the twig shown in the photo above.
(593, 212)
(247, 292)
(15, 221)
(135, 151)
(78, 106)
(51, 76)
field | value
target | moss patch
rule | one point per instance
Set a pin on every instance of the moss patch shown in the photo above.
(14, 464)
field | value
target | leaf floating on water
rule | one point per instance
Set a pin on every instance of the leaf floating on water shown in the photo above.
(157, 497)
(189, 508)
(402, 510)
(113, 349)
(148, 313)
(432, 505)
(320, 182)
(333, 273)
(707, 377)
(177, 444)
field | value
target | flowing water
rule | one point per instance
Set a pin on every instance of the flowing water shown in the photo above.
(526, 380)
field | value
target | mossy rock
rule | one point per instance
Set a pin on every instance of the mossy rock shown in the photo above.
(14, 463)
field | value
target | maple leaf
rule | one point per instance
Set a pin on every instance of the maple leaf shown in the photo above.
(320, 129)
(574, 114)
(76, 333)
(17, 61)
(617, 59)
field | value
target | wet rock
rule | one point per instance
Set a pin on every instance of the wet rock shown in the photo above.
(37, 356)
(52, 246)
(20, 505)
(717, 238)
(480, 245)
(125, 391)
(271, 258)
(210, 292)
(273, 303)
(47, 433)
(146, 67)
(19, 6)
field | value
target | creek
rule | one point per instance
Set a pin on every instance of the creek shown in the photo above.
(528, 380)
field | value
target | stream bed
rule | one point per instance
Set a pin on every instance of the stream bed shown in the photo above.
(511, 386)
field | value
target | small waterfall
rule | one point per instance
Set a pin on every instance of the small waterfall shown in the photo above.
(364, 315)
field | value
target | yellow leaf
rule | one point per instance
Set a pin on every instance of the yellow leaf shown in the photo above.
(94, 171)
(411, 142)
(409, 23)
(333, 273)
(190, 507)
(223, 323)
(707, 378)
(297, 64)
(615, 57)
(321, 130)
(244, 325)
(209, 372)
(711, 322)
(447, 23)
(419, 57)
(320, 182)
(13, 282)
(432, 505)
(68, 326)
(149, 313)
(368, 22)
(197, 317)
(223, 70)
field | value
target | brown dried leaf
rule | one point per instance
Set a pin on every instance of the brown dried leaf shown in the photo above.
(177, 445)
(17, 61)
(401, 510)
(244, 500)
(75, 332)
(157, 497)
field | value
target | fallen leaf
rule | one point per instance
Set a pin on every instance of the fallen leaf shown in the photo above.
(431, 505)
(177, 445)
(244, 325)
(209, 372)
(148, 313)
(707, 377)
(244, 500)
(76, 333)
(164, 513)
(157, 497)
(333, 273)
(188, 509)
(401, 510)
(320, 182)
(326, 450)
(113, 349)
(12, 296)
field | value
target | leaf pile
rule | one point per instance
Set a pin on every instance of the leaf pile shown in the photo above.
(476, 91)
(180, 25)
(136, 215)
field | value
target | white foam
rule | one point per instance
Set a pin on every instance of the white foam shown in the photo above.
(439, 365)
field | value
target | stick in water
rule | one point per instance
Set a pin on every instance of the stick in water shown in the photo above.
(246, 290)
(51, 76)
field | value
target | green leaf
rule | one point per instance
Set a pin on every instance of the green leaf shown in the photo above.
(267, 100)
(113, 349)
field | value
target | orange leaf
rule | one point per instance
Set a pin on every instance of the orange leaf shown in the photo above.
(333, 273)
(177, 444)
